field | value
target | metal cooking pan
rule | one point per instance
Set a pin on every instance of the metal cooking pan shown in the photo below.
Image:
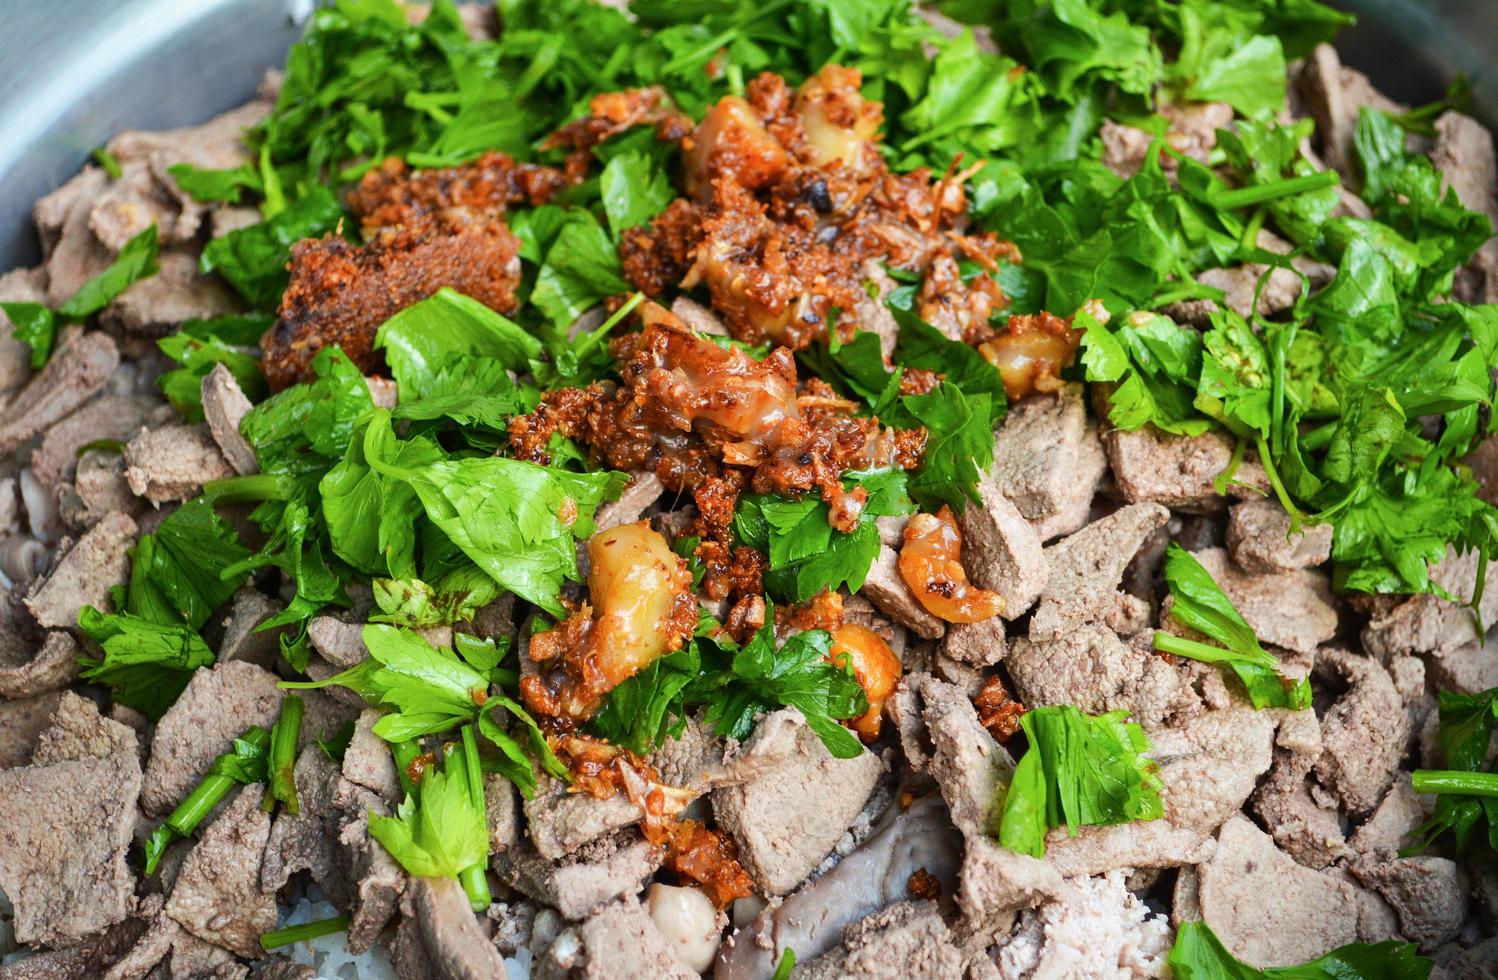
(75, 72)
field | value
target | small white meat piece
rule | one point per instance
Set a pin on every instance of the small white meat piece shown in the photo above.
(224, 407)
(1095, 927)
(618, 942)
(1178, 471)
(99, 561)
(173, 462)
(1259, 539)
(1267, 909)
(691, 924)
(787, 819)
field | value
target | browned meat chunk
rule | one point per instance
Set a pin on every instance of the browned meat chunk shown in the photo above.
(391, 196)
(64, 832)
(787, 820)
(341, 293)
(1311, 914)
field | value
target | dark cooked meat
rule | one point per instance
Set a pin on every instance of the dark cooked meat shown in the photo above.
(393, 196)
(341, 293)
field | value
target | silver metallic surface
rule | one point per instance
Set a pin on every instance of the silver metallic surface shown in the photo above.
(75, 72)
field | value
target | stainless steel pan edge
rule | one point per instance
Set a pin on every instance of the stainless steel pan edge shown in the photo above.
(75, 72)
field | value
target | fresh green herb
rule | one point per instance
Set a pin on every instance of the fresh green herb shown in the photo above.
(1200, 955)
(1079, 770)
(147, 664)
(1152, 364)
(644, 710)
(959, 448)
(806, 554)
(108, 162)
(440, 833)
(1466, 796)
(463, 764)
(336, 746)
(281, 763)
(786, 965)
(244, 763)
(115, 447)
(923, 346)
(452, 599)
(231, 340)
(581, 268)
(756, 678)
(517, 521)
(420, 341)
(36, 326)
(736, 684)
(290, 935)
(211, 186)
(635, 189)
(1201, 605)
(433, 691)
(253, 260)
(151, 644)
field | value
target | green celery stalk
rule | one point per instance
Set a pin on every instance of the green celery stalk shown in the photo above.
(464, 762)
(199, 803)
(307, 930)
(281, 766)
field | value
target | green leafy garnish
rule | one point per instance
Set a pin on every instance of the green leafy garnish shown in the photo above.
(253, 260)
(280, 766)
(806, 554)
(179, 575)
(1466, 795)
(244, 763)
(1079, 770)
(231, 340)
(1200, 955)
(1201, 605)
(517, 521)
(737, 684)
(441, 835)
(37, 326)
(432, 691)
